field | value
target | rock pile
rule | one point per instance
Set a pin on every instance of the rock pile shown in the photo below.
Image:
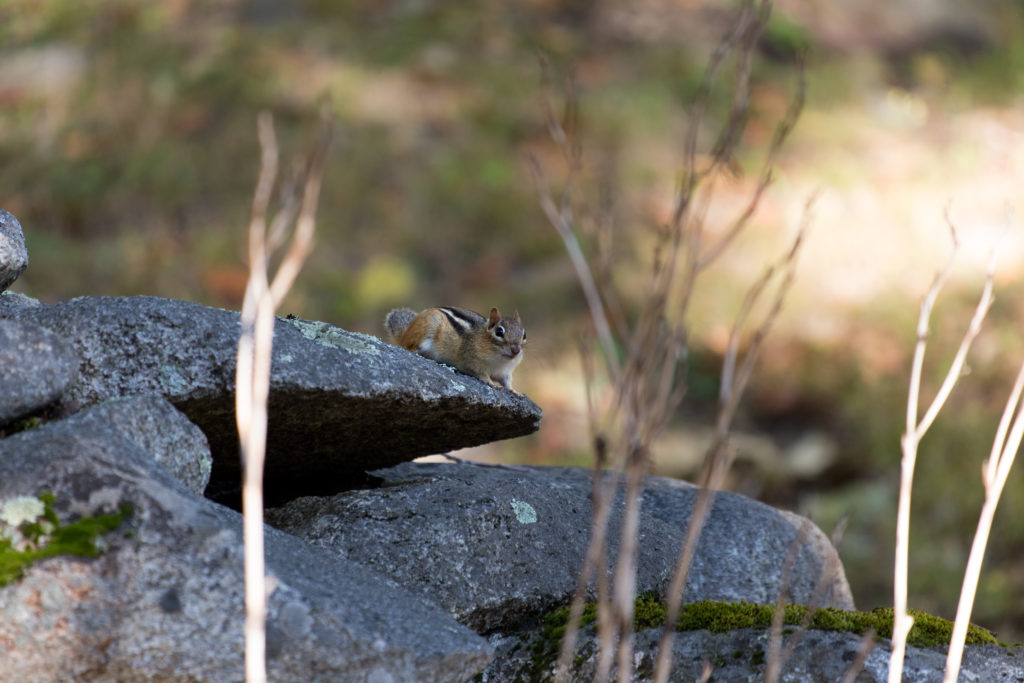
(120, 410)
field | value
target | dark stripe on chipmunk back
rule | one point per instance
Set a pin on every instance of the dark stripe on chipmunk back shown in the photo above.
(459, 320)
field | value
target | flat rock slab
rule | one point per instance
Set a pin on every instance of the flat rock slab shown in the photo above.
(341, 403)
(495, 547)
(165, 599)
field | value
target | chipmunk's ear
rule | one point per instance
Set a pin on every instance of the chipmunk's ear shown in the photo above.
(516, 317)
(495, 316)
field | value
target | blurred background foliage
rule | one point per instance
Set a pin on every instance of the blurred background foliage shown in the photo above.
(127, 134)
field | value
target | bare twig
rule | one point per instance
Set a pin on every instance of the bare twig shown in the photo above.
(994, 473)
(1004, 450)
(605, 484)
(692, 175)
(706, 671)
(701, 507)
(782, 132)
(252, 382)
(776, 657)
(867, 644)
(717, 460)
(915, 431)
(603, 492)
(561, 219)
(561, 215)
(253, 367)
(646, 352)
(624, 586)
(495, 465)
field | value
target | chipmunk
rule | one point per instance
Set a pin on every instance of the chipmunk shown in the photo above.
(487, 348)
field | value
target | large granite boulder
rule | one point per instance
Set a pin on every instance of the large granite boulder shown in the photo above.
(495, 547)
(340, 402)
(164, 601)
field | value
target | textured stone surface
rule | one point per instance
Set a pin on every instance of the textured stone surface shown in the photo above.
(165, 601)
(742, 655)
(340, 402)
(13, 255)
(744, 546)
(37, 367)
(153, 424)
(11, 301)
(494, 547)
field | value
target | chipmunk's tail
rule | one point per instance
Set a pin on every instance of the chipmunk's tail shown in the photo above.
(396, 322)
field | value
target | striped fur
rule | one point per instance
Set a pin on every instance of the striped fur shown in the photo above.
(488, 348)
(461, 319)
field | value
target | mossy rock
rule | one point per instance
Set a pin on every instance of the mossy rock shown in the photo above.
(720, 617)
(47, 537)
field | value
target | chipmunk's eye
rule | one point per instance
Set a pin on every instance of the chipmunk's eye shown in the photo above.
(499, 332)
(524, 336)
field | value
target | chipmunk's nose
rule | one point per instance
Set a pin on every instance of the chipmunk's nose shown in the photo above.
(514, 350)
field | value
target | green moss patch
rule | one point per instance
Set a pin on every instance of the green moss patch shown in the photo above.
(38, 536)
(720, 617)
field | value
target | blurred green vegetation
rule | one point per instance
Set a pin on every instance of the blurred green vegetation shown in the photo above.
(127, 130)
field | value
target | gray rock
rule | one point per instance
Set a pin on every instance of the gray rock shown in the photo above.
(158, 428)
(13, 255)
(11, 301)
(494, 547)
(38, 366)
(340, 403)
(742, 655)
(165, 601)
(744, 547)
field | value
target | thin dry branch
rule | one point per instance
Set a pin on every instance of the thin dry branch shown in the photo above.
(733, 383)
(624, 585)
(492, 465)
(776, 657)
(252, 387)
(915, 431)
(782, 131)
(305, 225)
(867, 644)
(645, 352)
(1004, 450)
(698, 515)
(562, 221)
(717, 460)
(706, 671)
(253, 367)
(603, 493)
(692, 175)
(994, 474)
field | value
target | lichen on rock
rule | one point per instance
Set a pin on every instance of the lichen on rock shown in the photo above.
(30, 531)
